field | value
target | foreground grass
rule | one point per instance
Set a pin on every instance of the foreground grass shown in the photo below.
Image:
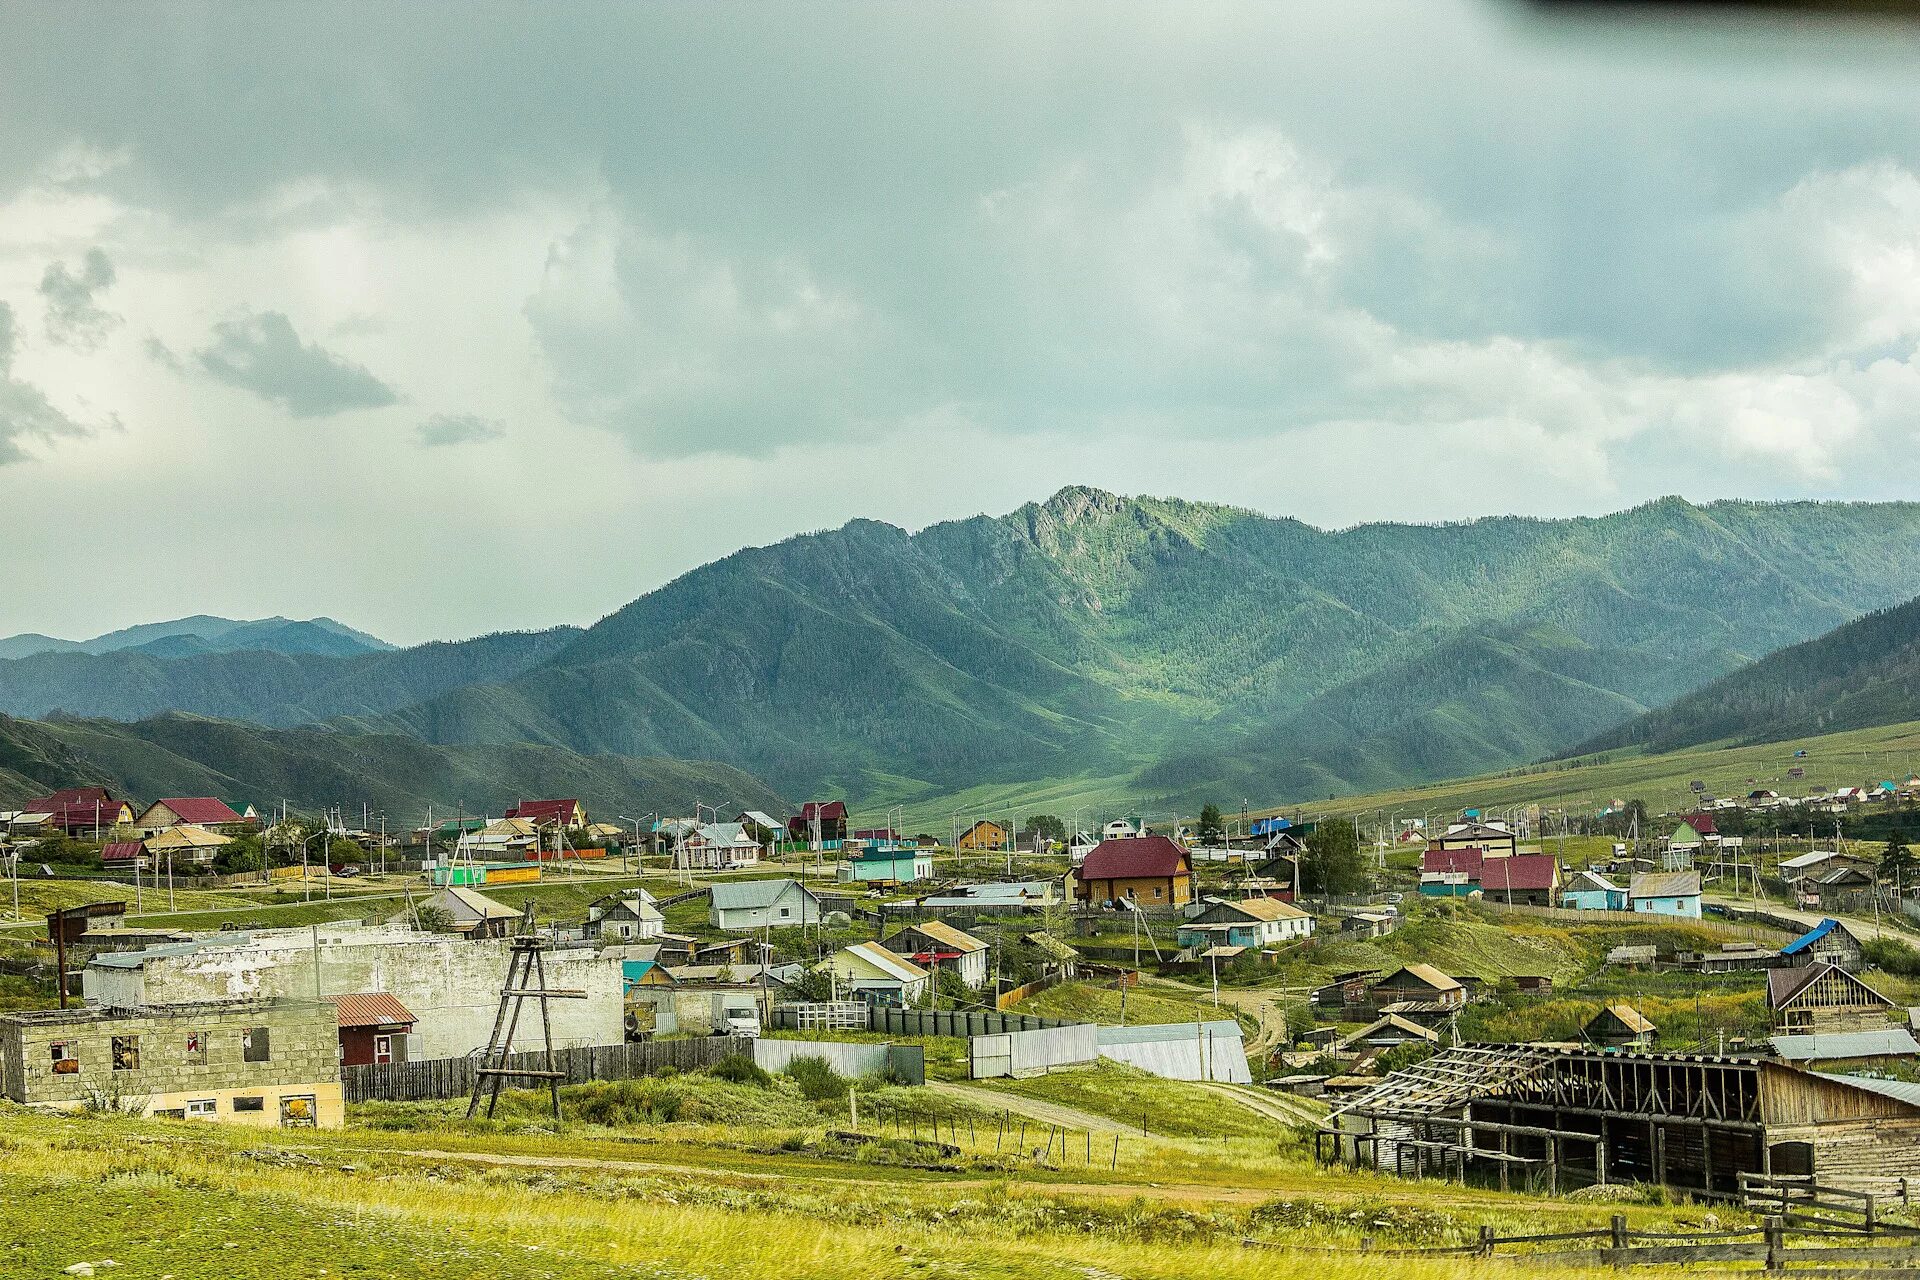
(193, 1200)
(1170, 1108)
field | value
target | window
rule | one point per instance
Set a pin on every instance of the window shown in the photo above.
(297, 1112)
(383, 1048)
(66, 1061)
(785, 912)
(254, 1045)
(126, 1053)
(196, 1049)
(202, 1106)
(249, 1104)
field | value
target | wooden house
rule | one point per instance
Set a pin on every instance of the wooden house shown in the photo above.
(374, 1027)
(201, 811)
(82, 812)
(819, 824)
(1823, 997)
(1254, 922)
(934, 945)
(566, 815)
(983, 835)
(1148, 871)
(1828, 941)
(1619, 1026)
(1493, 839)
(1420, 982)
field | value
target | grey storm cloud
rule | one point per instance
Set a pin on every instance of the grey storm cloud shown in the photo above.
(459, 428)
(261, 353)
(25, 413)
(74, 316)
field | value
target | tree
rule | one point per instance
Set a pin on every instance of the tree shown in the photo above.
(1897, 861)
(1332, 864)
(1211, 825)
(1045, 825)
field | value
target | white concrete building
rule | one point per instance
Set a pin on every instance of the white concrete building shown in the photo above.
(451, 984)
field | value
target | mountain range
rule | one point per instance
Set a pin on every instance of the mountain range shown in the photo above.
(205, 634)
(1172, 650)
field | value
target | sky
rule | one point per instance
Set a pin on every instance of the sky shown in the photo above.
(446, 319)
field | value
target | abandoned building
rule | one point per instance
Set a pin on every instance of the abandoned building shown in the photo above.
(1558, 1118)
(262, 1062)
(1823, 997)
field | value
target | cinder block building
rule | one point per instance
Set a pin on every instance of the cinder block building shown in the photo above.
(262, 1062)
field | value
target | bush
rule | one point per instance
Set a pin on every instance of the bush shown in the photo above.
(629, 1102)
(818, 1081)
(738, 1068)
(1892, 956)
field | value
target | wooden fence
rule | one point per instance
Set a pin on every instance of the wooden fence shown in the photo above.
(1863, 1251)
(453, 1077)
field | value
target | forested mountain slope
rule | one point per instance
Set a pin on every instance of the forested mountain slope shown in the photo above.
(1857, 676)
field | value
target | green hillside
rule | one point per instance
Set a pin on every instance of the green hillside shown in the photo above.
(312, 767)
(1170, 651)
(1864, 673)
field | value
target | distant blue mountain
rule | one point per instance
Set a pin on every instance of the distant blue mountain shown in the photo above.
(201, 634)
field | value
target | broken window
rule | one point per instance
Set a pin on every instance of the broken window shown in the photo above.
(66, 1061)
(126, 1053)
(249, 1104)
(196, 1048)
(254, 1045)
(297, 1112)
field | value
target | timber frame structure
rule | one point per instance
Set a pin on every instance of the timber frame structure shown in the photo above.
(1567, 1117)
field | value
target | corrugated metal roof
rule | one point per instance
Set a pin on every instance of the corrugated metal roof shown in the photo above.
(1665, 884)
(945, 933)
(1135, 857)
(373, 1009)
(748, 895)
(1906, 1091)
(1821, 1046)
(1810, 937)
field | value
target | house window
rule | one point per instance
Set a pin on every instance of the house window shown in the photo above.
(249, 1104)
(383, 1048)
(297, 1112)
(196, 1051)
(254, 1045)
(65, 1061)
(1156, 891)
(202, 1106)
(785, 912)
(126, 1053)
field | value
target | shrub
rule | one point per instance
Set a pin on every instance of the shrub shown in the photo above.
(818, 1081)
(738, 1068)
(627, 1102)
(1892, 956)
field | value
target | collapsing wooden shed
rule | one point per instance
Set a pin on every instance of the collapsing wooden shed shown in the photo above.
(1567, 1117)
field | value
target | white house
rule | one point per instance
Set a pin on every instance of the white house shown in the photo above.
(868, 971)
(629, 916)
(1121, 829)
(762, 904)
(716, 846)
(1253, 922)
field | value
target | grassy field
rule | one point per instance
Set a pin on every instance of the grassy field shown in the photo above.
(1171, 1108)
(1084, 1002)
(764, 1191)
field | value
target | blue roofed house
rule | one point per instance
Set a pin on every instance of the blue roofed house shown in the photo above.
(1827, 941)
(1666, 893)
(1591, 891)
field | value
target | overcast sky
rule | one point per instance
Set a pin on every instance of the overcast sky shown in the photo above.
(441, 321)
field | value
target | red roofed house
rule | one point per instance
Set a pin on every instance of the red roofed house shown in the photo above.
(1529, 879)
(829, 815)
(374, 1026)
(1151, 870)
(564, 814)
(1703, 823)
(81, 811)
(122, 851)
(174, 811)
(1450, 873)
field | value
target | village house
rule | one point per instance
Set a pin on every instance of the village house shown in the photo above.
(934, 945)
(1830, 941)
(1421, 983)
(716, 846)
(1823, 997)
(374, 1028)
(627, 916)
(471, 914)
(1001, 897)
(983, 836)
(1148, 871)
(1388, 1031)
(819, 824)
(1619, 1026)
(1450, 873)
(1253, 922)
(766, 829)
(1591, 891)
(887, 864)
(762, 904)
(1523, 879)
(262, 1062)
(1370, 924)
(1122, 829)
(201, 811)
(82, 811)
(868, 971)
(1878, 1049)
(185, 844)
(548, 815)
(1493, 839)
(1666, 893)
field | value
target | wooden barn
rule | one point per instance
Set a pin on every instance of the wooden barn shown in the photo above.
(1560, 1118)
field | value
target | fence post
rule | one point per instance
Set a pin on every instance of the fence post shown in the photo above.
(1486, 1242)
(1776, 1258)
(1872, 1224)
(1618, 1233)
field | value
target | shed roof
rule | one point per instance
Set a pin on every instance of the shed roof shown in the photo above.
(748, 895)
(1665, 884)
(1813, 935)
(479, 903)
(887, 962)
(1628, 1017)
(373, 1009)
(201, 809)
(1891, 1042)
(1522, 871)
(947, 935)
(1424, 973)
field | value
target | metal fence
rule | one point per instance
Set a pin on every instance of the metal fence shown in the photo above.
(453, 1077)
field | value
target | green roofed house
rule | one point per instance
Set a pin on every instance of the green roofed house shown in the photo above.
(895, 865)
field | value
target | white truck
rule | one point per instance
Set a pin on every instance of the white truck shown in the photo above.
(736, 1014)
